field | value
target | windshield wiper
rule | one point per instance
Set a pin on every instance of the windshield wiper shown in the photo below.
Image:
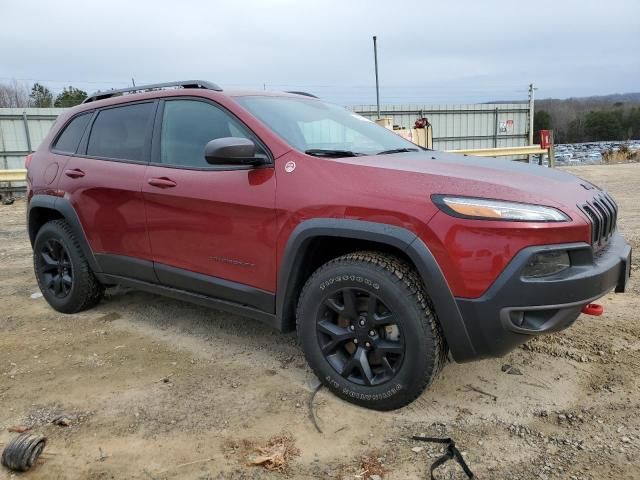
(398, 150)
(322, 152)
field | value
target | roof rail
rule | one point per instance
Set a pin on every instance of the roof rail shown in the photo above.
(101, 95)
(306, 94)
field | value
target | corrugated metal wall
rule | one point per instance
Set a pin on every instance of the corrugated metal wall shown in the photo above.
(462, 126)
(454, 126)
(21, 130)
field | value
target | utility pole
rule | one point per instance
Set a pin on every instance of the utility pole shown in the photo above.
(531, 112)
(531, 90)
(375, 59)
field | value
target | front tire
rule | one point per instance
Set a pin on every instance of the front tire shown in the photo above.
(368, 332)
(62, 271)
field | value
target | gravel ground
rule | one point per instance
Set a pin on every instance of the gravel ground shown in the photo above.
(156, 389)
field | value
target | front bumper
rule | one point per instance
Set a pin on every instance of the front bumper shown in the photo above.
(516, 308)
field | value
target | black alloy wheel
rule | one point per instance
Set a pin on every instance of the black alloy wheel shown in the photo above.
(62, 270)
(359, 337)
(55, 267)
(368, 330)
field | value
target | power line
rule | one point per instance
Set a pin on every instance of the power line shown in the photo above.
(339, 93)
(284, 85)
(67, 82)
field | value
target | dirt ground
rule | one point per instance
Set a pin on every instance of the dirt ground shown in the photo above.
(159, 389)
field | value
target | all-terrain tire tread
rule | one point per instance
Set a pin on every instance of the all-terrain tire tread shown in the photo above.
(404, 274)
(91, 291)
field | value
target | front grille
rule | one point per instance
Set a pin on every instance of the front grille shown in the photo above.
(602, 211)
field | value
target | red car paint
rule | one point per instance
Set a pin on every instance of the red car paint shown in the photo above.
(209, 217)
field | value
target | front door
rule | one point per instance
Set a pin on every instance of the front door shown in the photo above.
(212, 229)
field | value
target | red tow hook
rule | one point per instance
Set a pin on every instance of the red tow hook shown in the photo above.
(593, 309)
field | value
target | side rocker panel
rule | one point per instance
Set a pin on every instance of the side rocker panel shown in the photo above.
(299, 241)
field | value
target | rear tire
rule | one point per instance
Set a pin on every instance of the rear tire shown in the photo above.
(62, 271)
(368, 331)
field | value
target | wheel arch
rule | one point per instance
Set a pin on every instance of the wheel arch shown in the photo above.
(301, 255)
(45, 208)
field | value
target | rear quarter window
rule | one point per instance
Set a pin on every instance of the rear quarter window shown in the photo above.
(69, 139)
(120, 132)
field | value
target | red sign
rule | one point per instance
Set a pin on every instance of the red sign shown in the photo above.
(545, 139)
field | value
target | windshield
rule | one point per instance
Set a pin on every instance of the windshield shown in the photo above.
(324, 129)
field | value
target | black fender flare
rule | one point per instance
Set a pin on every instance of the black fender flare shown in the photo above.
(64, 208)
(449, 315)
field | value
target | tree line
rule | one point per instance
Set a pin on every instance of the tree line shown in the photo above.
(574, 120)
(19, 95)
(610, 118)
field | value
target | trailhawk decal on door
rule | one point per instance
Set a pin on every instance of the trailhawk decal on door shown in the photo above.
(232, 261)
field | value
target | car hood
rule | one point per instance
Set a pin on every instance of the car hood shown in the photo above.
(455, 174)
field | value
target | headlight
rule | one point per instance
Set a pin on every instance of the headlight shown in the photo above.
(543, 264)
(485, 209)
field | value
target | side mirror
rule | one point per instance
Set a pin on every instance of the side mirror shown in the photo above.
(231, 151)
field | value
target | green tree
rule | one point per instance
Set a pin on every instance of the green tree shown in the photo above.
(40, 96)
(70, 97)
(604, 125)
(575, 132)
(541, 121)
(631, 124)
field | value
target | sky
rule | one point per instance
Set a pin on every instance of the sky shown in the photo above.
(428, 52)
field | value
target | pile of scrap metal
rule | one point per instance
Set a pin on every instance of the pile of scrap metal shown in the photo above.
(421, 133)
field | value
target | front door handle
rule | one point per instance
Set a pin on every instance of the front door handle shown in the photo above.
(162, 182)
(74, 173)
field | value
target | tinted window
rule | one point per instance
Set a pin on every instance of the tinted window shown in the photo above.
(70, 137)
(188, 125)
(120, 132)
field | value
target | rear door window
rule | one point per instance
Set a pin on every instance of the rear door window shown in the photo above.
(120, 133)
(70, 137)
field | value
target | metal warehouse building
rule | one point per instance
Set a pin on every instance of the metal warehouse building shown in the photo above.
(21, 131)
(458, 127)
(454, 126)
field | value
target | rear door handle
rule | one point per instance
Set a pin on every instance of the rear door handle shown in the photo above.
(74, 173)
(162, 182)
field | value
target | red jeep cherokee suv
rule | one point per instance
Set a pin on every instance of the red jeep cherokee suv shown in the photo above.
(383, 255)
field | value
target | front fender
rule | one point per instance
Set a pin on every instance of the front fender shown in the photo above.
(289, 275)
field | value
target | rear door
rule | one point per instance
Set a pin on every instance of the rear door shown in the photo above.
(103, 182)
(212, 229)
